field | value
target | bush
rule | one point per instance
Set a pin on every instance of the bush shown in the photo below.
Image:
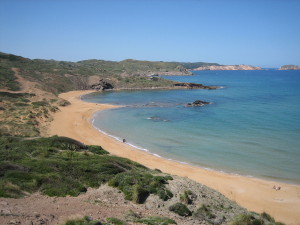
(165, 194)
(85, 221)
(115, 221)
(185, 197)
(139, 194)
(56, 166)
(204, 213)
(246, 219)
(180, 209)
(267, 217)
(156, 220)
(137, 185)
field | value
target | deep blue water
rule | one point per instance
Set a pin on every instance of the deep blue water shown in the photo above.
(252, 127)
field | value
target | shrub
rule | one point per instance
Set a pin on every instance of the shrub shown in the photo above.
(156, 220)
(137, 185)
(180, 209)
(185, 197)
(139, 194)
(204, 213)
(56, 166)
(267, 217)
(84, 221)
(115, 221)
(246, 219)
(165, 194)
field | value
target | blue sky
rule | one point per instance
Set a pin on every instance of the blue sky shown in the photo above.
(258, 32)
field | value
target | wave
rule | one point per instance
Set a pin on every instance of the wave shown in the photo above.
(159, 156)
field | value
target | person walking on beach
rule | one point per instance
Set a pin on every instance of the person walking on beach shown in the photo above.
(124, 140)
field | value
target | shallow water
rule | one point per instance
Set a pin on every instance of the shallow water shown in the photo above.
(252, 128)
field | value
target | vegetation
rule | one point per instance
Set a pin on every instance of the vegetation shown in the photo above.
(115, 221)
(156, 220)
(84, 221)
(56, 166)
(21, 116)
(8, 79)
(186, 197)
(204, 212)
(137, 186)
(151, 220)
(254, 219)
(180, 209)
(197, 64)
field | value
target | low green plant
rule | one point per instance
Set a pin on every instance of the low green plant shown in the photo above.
(180, 209)
(186, 197)
(246, 219)
(84, 221)
(204, 212)
(254, 219)
(115, 221)
(156, 220)
(56, 166)
(267, 217)
(137, 185)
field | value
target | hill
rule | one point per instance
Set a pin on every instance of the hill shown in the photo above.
(289, 67)
(223, 67)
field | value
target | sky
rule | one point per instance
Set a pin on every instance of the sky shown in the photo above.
(255, 32)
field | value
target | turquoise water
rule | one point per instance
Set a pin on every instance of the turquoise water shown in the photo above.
(252, 128)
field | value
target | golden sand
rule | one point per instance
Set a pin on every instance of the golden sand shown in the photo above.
(254, 194)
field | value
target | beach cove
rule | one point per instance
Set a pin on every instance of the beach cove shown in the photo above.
(257, 195)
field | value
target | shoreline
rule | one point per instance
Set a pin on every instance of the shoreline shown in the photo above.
(255, 194)
(119, 139)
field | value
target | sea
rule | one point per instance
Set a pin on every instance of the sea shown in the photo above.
(251, 127)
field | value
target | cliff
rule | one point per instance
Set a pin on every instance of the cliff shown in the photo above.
(232, 67)
(289, 67)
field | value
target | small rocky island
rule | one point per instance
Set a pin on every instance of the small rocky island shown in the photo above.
(198, 103)
(289, 67)
(232, 67)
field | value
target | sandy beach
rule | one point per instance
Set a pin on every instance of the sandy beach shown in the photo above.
(254, 194)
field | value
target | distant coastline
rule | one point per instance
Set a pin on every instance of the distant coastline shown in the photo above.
(289, 67)
(229, 67)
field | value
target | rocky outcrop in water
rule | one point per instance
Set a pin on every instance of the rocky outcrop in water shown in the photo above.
(232, 67)
(195, 86)
(289, 67)
(197, 103)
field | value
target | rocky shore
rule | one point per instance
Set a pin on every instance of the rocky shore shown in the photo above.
(232, 67)
(289, 67)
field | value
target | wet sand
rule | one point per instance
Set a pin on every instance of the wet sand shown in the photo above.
(254, 194)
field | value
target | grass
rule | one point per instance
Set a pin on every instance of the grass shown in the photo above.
(115, 221)
(180, 209)
(156, 220)
(22, 117)
(151, 220)
(254, 219)
(137, 185)
(186, 197)
(56, 166)
(204, 212)
(84, 221)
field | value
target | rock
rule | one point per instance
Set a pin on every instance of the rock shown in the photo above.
(289, 67)
(101, 85)
(231, 67)
(194, 85)
(198, 103)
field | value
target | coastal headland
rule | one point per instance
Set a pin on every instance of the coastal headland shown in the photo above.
(257, 195)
